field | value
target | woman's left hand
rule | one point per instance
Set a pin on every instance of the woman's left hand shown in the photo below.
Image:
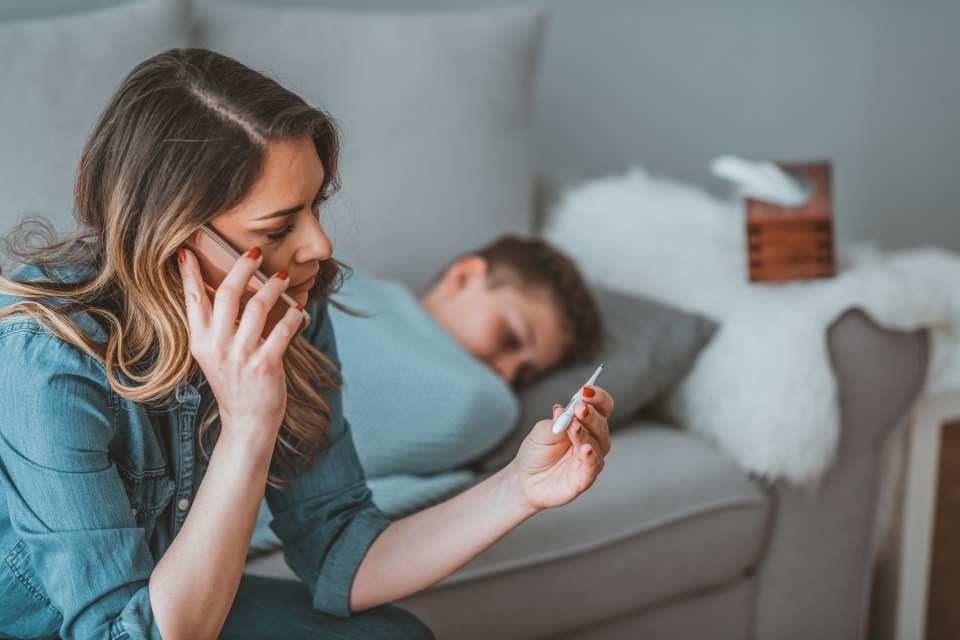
(552, 469)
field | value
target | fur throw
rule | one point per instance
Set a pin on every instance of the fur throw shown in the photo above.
(763, 390)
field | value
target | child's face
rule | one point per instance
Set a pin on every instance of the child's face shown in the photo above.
(518, 334)
(295, 242)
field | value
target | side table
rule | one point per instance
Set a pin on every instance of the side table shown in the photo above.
(916, 526)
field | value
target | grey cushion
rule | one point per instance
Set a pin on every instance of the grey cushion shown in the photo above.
(437, 112)
(668, 516)
(646, 347)
(58, 73)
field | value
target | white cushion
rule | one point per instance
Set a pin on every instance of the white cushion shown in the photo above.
(437, 112)
(58, 73)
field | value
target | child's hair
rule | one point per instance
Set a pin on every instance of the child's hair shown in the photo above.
(532, 266)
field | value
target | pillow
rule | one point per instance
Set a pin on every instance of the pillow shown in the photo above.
(436, 109)
(58, 74)
(646, 347)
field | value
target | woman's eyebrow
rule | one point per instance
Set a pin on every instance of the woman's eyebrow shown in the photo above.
(291, 210)
(278, 214)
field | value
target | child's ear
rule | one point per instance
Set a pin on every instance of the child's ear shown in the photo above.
(464, 272)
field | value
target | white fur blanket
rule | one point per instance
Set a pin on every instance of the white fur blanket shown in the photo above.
(763, 390)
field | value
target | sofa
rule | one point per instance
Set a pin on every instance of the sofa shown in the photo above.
(674, 540)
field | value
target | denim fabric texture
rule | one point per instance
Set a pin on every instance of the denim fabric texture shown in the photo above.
(94, 488)
(272, 608)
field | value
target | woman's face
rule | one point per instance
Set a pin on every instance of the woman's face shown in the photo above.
(281, 216)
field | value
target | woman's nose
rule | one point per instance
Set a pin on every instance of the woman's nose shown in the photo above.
(317, 244)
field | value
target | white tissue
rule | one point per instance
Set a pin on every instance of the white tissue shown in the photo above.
(762, 180)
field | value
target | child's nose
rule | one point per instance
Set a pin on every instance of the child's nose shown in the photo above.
(507, 368)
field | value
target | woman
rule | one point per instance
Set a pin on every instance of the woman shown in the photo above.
(122, 518)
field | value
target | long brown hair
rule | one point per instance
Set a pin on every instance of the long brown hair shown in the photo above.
(183, 139)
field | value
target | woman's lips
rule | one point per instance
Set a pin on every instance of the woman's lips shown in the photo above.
(300, 288)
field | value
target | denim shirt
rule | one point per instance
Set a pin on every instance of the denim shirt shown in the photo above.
(94, 488)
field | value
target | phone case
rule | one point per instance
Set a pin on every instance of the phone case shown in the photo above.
(217, 257)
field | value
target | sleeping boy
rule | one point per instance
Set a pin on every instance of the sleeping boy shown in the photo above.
(429, 384)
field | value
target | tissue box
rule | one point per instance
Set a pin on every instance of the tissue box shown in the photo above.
(793, 243)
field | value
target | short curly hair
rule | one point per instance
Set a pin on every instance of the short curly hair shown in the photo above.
(533, 265)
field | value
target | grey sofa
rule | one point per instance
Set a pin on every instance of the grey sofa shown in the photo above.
(674, 541)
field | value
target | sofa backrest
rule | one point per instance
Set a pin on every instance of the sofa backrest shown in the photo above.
(436, 111)
(58, 70)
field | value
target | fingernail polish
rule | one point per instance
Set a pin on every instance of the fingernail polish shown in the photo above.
(590, 451)
(182, 256)
(283, 275)
(254, 253)
(299, 307)
(588, 392)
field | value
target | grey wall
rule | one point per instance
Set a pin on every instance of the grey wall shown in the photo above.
(874, 86)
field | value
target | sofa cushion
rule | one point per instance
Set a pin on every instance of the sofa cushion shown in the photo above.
(668, 516)
(58, 73)
(437, 114)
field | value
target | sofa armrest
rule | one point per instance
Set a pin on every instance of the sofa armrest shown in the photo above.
(815, 579)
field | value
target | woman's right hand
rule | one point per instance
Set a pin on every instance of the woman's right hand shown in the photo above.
(245, 371)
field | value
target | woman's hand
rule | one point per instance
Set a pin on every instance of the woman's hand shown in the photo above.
(552, 469)
(245, 372)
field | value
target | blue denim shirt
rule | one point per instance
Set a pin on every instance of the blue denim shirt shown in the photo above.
(94, 488)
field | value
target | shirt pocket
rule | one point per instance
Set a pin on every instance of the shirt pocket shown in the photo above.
(149, 492)
(25, 608)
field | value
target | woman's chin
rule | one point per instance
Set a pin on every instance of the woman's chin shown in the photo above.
(301, 297)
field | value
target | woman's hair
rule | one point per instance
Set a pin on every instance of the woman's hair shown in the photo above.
(533, 267)
(182, 140)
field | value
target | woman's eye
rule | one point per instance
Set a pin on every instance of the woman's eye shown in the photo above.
(320, 200)
(274, 237)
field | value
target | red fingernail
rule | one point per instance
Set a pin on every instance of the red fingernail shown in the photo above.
(182, 255)
(577, 429)
(590, 451)
(588, 392)
(283, 275)
(254, 253)
(299, 307)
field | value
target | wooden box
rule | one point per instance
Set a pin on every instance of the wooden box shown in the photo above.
(793, 243)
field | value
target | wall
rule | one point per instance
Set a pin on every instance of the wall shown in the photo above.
(871, 85)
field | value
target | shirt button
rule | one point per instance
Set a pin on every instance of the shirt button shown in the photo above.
(184, 504)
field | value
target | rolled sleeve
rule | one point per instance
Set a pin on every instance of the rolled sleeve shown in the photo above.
(326, 518)
(77, 548)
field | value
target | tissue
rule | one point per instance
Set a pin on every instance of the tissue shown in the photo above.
(763, 180)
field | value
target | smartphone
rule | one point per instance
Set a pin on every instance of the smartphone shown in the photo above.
(216, 257)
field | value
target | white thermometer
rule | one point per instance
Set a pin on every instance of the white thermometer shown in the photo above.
(565, 418)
